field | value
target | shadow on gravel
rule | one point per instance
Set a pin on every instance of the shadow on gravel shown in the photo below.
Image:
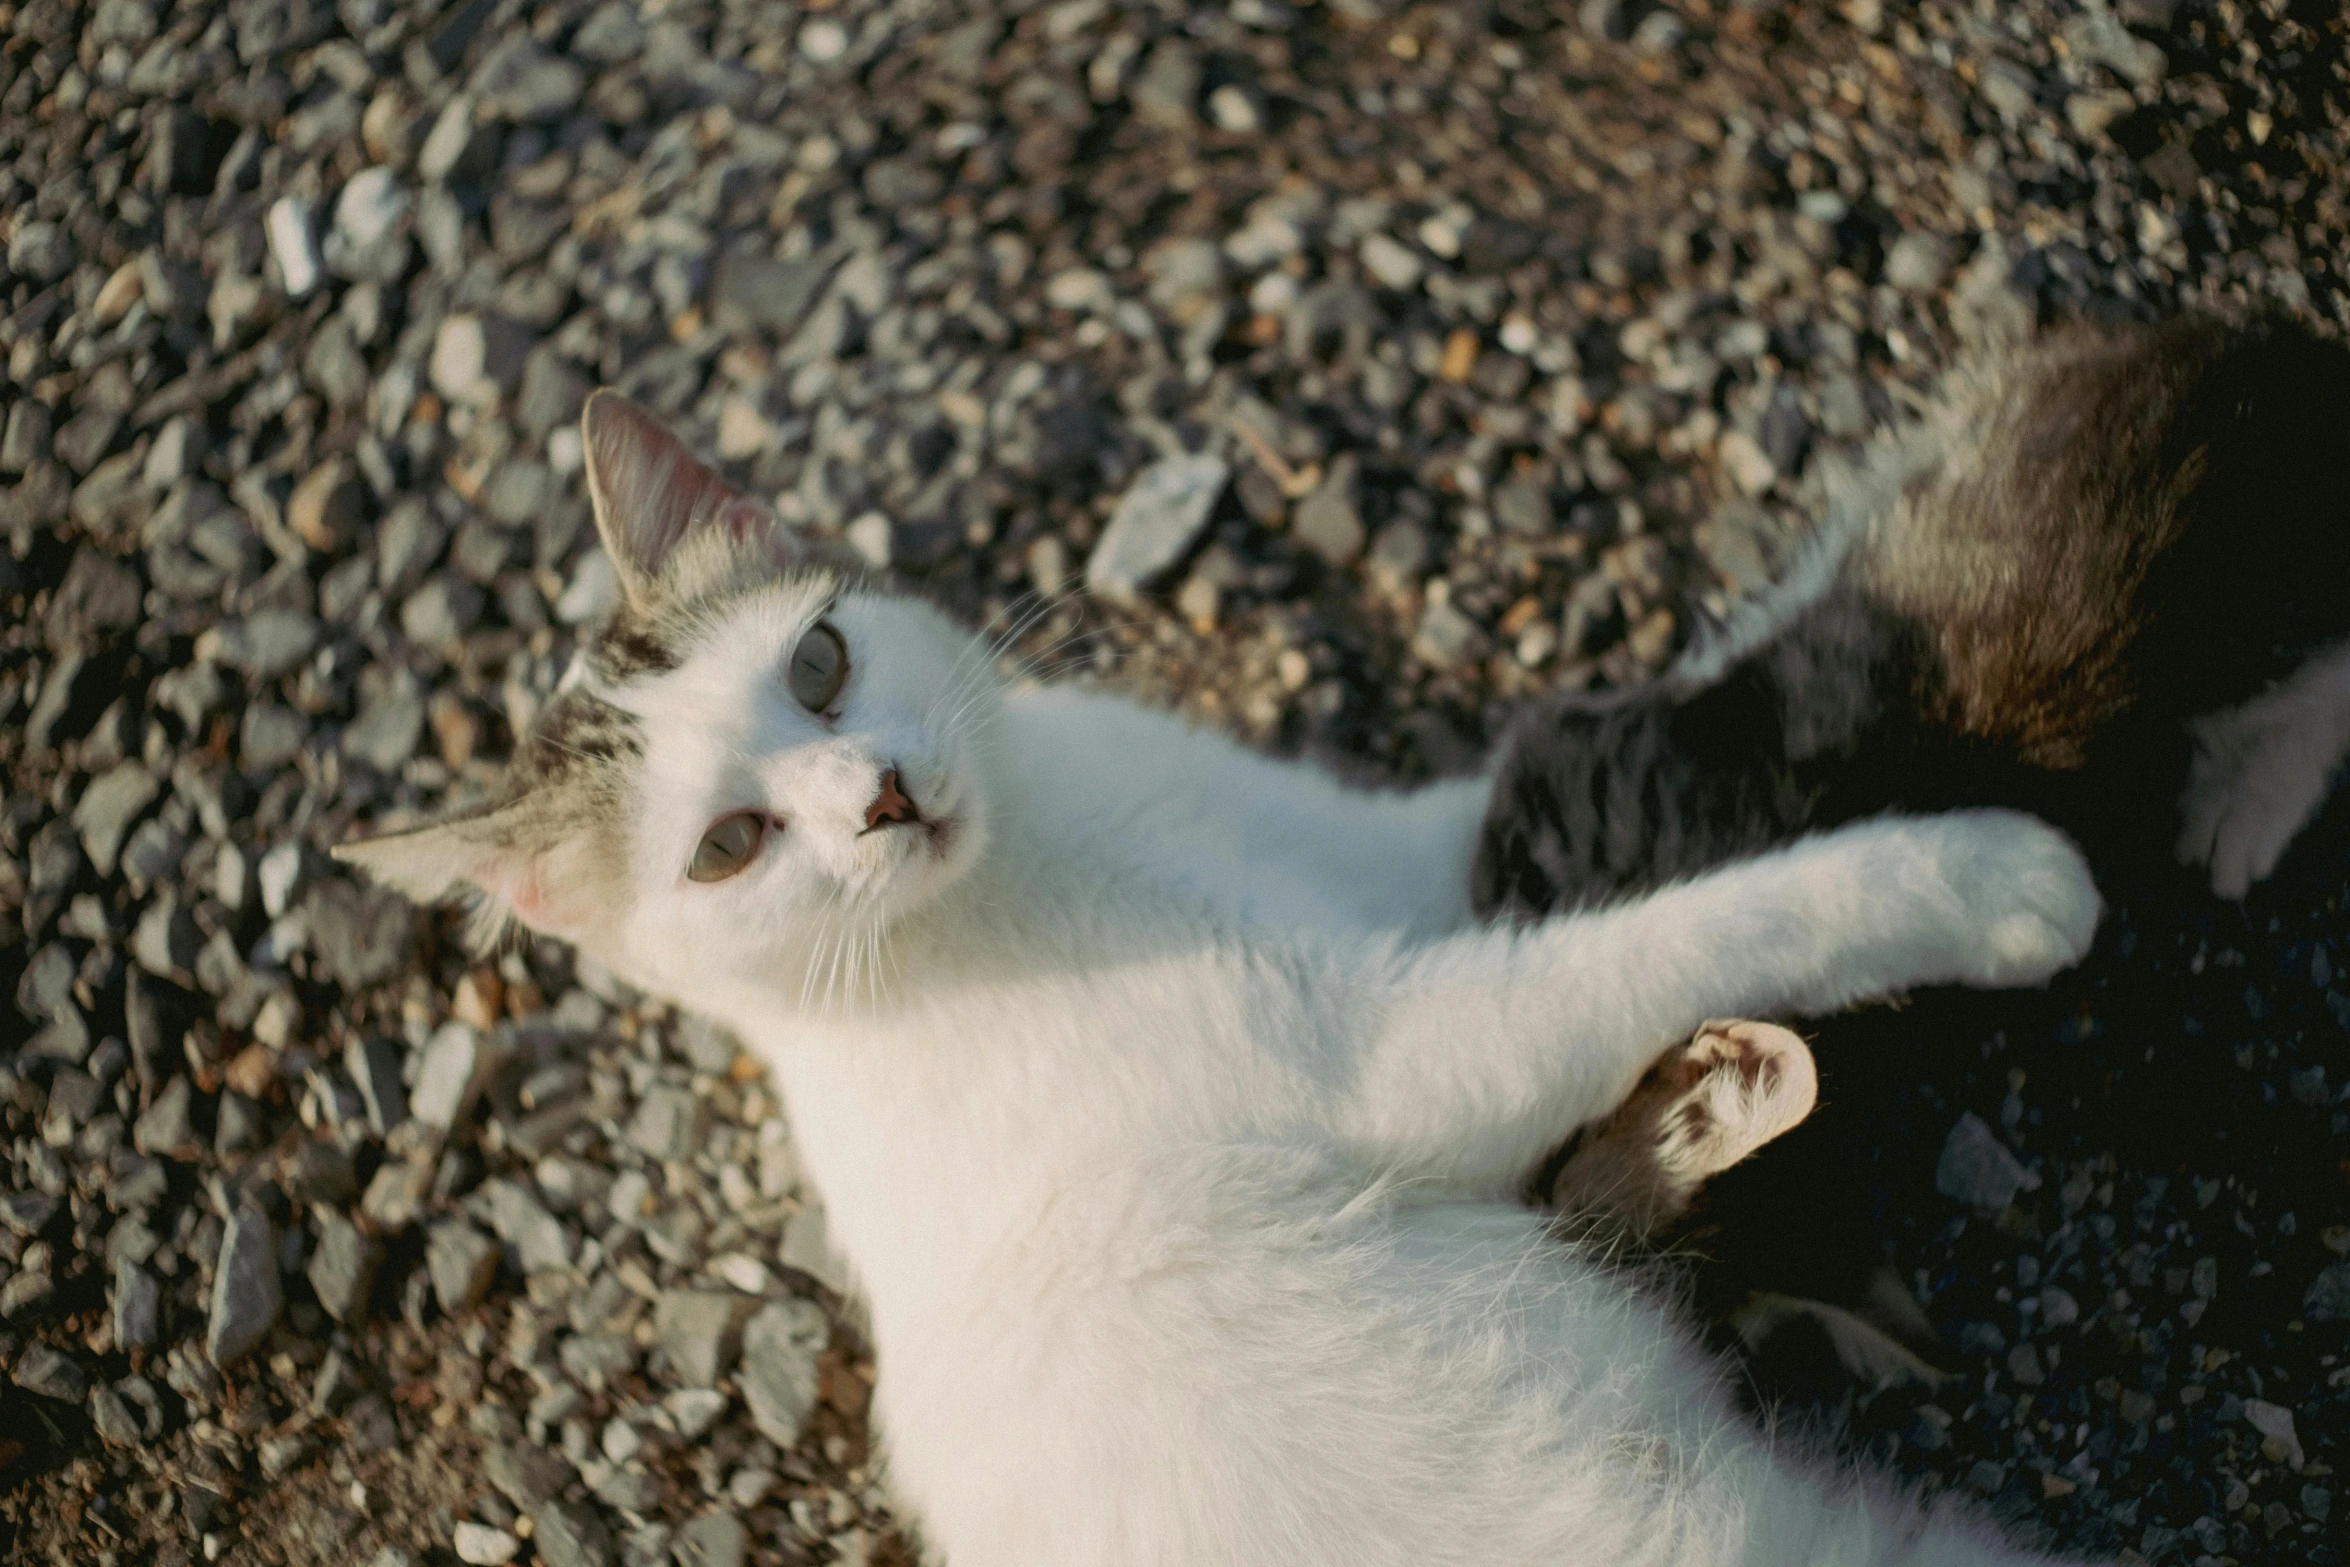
(2183, 1103)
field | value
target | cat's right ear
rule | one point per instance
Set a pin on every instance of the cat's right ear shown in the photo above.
(649, 492)
(483, 857)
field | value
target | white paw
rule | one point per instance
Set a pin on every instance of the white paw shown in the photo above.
(2241, 809)
(2029, 907)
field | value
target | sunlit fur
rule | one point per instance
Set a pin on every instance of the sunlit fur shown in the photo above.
(1173, 1118)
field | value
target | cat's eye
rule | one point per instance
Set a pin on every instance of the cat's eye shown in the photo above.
(727, 847)
(819, 668)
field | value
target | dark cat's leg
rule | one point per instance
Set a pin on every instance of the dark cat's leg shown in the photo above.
(2260, 772)
(1600, 796)
(1641, 1186)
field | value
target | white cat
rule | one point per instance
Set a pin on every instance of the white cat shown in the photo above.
(1164, 1101)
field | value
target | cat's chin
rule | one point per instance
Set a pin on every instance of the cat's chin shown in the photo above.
(927, 859)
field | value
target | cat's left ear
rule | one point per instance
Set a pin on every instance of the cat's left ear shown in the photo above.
(649, 493)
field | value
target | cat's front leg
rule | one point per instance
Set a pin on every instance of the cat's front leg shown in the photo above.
(1481, 1048)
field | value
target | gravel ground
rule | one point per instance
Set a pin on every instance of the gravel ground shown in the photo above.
(1341, 373)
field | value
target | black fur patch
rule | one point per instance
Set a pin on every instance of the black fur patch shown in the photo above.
(2169, 512)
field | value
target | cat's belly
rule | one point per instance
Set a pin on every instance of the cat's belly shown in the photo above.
(1239, 1357)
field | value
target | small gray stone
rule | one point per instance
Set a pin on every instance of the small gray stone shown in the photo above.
(1977, 1169)
(569, 1534)
(269, 736)
(342, 1269)
(779, 1380)
(457, 146)
(138, 1306)
(709, 1047)
(2007, 88)
(280, 1455)
(439, 613)
(117, 1426)
(390, 721)
(165, 1129)
(26, 440)
(2099, 35)
(1445, 638)
(451, 1073)
(51, 1373)
(630, 1489)
(373, 1063)
(2328, 1297)
(28, 1213)
(369, 240)
(522, 81)
(530, 1477)
(406, 541)
(461, 1262)
(1918, 262)
(292, 244)
(360, 933)
(712, 1540)
(476, 358)
(245, 1294)
(699, 1331)
(280, 877)
(753, 292)
(668, 1123)
(108, 808)
(1328, 521)
(2058, 1308)
(539, 1239)
(807, 1246)
(165, 941)
(1166, 91)
(41, 250)
(1521, 504)
(595, 1360)
(694, 1410)
(1157, 519)
(396, 1193)
(1394, 264)
(262, 646)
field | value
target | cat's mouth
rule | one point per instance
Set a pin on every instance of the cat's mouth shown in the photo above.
(895, 813)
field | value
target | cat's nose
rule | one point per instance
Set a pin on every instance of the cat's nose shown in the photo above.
(890, 805)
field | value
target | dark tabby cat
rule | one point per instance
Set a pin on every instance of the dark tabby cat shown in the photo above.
(2107, 582)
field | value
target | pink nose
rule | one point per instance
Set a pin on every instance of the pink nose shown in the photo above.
(890, 806)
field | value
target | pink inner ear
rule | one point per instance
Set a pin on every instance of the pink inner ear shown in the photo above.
(742, 517)
(529, 900)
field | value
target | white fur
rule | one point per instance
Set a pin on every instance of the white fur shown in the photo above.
(2261, 771)
(1171, 1116)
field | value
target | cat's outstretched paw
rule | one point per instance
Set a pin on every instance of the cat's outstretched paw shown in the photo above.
(1702, 1108)
(2029, 903)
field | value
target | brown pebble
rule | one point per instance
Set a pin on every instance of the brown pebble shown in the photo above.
(251, 1072)
(478, 997)
(454, 728)
(328, 506)
(1460, 356)
(120, 292)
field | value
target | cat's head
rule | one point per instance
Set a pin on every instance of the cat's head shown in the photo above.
(760, 756)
